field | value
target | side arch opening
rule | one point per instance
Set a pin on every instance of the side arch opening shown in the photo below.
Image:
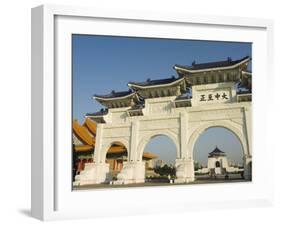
(116, 156)
(159, 154)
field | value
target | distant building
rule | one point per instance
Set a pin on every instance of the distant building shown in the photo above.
(218, 164)
(159, 163)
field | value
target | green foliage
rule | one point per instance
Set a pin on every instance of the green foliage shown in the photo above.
(196, 165)
(165, 170)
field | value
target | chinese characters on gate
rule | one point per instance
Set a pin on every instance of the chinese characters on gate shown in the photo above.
(212, 97)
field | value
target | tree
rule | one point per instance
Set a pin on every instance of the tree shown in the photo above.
(165, 170)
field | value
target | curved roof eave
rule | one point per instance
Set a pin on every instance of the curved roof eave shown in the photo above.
(113, 98)
(177, 67)
(92, 127)
(155, 86)
(82, 133)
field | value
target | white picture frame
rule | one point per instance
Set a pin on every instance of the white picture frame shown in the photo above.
(51, 197)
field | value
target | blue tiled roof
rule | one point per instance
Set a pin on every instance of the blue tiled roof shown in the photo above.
(149, 82)
(114, 94)
(99, 113)
(225, 63)
(216, 151)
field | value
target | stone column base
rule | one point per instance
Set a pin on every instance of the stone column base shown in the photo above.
(248, 168)
(184, 171)
(132, 173)
(93, 173)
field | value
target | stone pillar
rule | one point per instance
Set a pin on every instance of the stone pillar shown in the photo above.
(248, 138)
(132, 172)
(98, 145)
(184, 170)
(183, 135)
(248, 128)
(134, 169)
(184, 164)
(133, 152)
(98, 171)
(248, 167)
(93, 173)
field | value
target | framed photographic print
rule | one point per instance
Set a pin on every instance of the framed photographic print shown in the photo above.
(151, 112)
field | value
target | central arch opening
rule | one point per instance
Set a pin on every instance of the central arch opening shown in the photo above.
(160, 168)
(218, 155)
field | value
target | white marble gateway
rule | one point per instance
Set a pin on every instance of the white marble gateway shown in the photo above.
(215, 94)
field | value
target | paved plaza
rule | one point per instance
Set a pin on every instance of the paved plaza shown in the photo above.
(199, 180)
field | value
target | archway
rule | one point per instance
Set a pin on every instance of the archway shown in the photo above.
(218, 164)
(160, 154)
(147, 137)
(218, 153)
(236, 130)
(116, 156)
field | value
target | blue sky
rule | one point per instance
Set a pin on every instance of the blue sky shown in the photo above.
(224, 139)
(105, 63)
